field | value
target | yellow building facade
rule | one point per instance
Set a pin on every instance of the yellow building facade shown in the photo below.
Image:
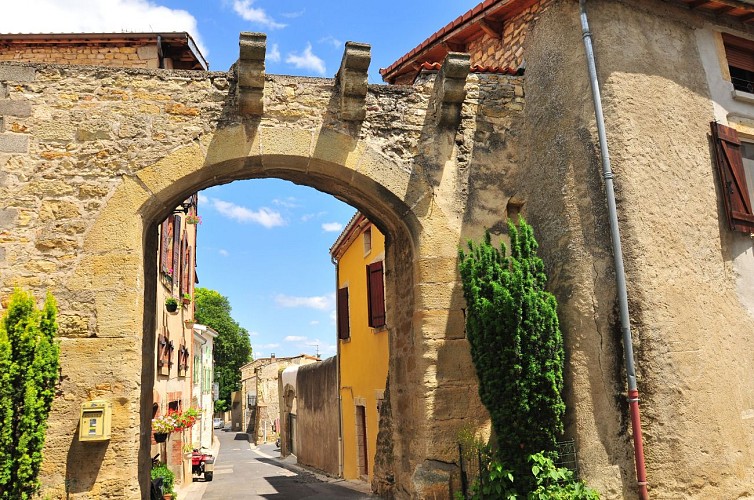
(363, 349)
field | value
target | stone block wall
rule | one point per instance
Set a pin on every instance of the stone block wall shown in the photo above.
(89, 54)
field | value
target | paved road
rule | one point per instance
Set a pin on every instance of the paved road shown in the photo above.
(245, 472)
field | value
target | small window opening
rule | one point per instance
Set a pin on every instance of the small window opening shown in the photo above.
(740, 55)
(368, 240)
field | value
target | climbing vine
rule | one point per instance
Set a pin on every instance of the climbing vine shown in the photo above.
(29, 362)
(516, 345)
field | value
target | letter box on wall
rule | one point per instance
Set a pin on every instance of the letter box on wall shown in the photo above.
(96, 417)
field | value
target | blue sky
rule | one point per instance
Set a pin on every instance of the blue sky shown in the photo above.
(264, 243)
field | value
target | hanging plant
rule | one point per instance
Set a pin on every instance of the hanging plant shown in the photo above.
(171, 304)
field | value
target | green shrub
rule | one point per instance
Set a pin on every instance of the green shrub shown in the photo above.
(29, 364)
(549, 482)
(516, 344)
(168, 478)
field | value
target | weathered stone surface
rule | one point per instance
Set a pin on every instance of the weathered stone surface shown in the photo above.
(17, 74)
(105, 153)
(14, 143)
(15, 107)
(353, 80)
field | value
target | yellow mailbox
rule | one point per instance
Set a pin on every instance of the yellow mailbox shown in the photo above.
(96, 417)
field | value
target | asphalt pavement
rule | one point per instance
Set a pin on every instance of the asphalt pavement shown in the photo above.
(245, 471)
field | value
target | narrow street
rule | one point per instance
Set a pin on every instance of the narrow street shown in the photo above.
(243, 471)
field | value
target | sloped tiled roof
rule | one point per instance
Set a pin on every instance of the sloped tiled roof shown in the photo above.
(467, 27)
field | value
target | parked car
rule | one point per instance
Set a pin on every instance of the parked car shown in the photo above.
(218, 423)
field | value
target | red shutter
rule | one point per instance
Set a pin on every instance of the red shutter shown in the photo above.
(344, 330)
(176, 248)
(730, 168)
(165, 235)
(184, 265)
(376, 295)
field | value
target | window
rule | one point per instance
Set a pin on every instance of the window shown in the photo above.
(376, 295)
(367, 240)
(344, 330)
(740, 55)
(734, 159)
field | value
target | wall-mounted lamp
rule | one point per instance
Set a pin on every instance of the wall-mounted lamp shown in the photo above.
(183, 207)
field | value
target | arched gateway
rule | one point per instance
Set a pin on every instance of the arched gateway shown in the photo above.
(103, 155)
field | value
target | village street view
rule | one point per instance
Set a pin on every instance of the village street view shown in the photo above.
(512, 258)
(247, 471)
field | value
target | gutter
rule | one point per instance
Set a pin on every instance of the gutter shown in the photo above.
(620, 277)
(337, 375)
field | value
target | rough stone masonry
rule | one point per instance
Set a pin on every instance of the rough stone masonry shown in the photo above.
(92, 158)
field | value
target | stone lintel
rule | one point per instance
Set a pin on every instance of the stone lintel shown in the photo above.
(353, 81)
(449, 91)
(251, 73)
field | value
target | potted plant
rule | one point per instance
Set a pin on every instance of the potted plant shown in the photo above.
(193, 219)
(162, 472)
(171, 304)
(162, 426)
(186, 298)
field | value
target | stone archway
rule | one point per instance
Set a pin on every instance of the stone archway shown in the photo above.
(111, 152)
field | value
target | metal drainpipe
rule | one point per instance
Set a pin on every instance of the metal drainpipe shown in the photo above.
(337, 377)
(620, 278)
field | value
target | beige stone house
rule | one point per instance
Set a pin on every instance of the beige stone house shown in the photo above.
(259, 398)
(175, 50)
(174, 347)
(84, 185)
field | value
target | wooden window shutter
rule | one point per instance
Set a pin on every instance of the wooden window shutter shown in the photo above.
(176, 247)
(730, 168)
(165, 236)
(376, 295)
(184, 265)
(344, 330)
(739, 52)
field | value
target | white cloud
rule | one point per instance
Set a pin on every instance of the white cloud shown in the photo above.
(289, 202)
(330, 348)
(294, 338)
(308, 217)
(248, 13)
(264, 216)
(253, 334)
(307, 60)
(274, 54)
(314, 322)
(333, 316)
(329, 39)
(261, 350)
(313, 342)
(203, 198)
(103, 16)
(320, 302)
(223, 252)
(292, 15)
(332, 227)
